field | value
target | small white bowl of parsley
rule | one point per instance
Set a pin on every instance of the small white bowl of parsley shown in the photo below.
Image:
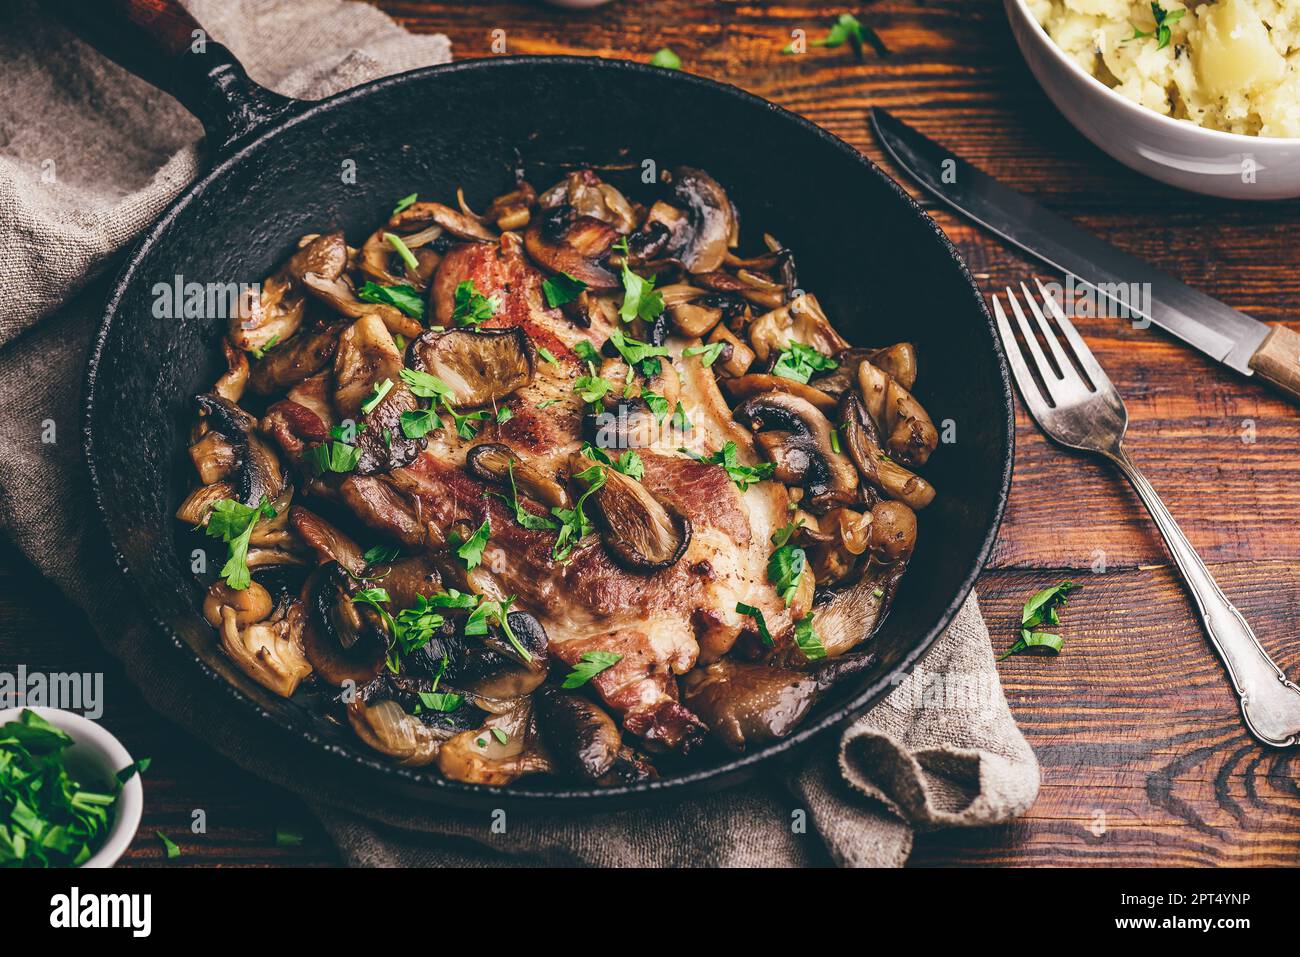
(70, 794)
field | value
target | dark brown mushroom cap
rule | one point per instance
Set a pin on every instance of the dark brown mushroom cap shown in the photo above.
(342, 640)
(479, 366)
(745, 386)
(641, 533)
(487, 665)
(581, 738)
(382, 443)
(560, 241)
(257, 473)
(713, 224)
(797, 438)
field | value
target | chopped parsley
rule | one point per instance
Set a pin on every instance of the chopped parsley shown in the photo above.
(440, 700)
(334, 456)
(404, 202)
(500, 735)
(639, 297)
(729, 458)
(656, 404)
(472, 307)
(417, 423)
(427, 386)
(759, 620)
(585, 351)
(574, 524)
(799, 362)
(380, 554)
(400, 297)
(1162, 33)
(47, 817)
(547, 355)
(561, 288)
(642, 356)
(806, 639)
(470, 551)
(1041, 609)
(170, 847)
(708, 353)
(260, 352)
(592, 388)
(480, 617)
(667, 59)
(233, 523)
(629, 463)
(848, 29)
(786, 566)
(408, 257)
(589, 665)
(524, 517)
(380, 390)
(680, 422)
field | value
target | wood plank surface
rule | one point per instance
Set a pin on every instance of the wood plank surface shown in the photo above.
(1144, 758)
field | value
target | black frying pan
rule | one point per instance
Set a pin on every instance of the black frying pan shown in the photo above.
(880, 266)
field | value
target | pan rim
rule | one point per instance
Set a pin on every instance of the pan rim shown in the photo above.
(434, 787)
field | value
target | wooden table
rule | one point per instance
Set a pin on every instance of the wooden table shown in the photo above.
(1144, 758)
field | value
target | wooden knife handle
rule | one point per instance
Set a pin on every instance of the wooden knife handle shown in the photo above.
(1277, 360)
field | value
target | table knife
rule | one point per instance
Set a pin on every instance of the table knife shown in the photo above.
(1221, 332)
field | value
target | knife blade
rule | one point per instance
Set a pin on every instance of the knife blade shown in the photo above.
(1221, 332)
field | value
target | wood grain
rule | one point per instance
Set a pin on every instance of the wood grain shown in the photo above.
(1143, 754)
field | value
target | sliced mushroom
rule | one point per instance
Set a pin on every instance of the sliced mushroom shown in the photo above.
(713, 223)
(196, 506)
(745, 386)
(269, 652)
(797, 439)
(344, 641)
(385, 727)
(366, 355)
(693, 320)
(270, 315)
(297, 360)
(379, 258)
(561, 242)
(845, 534)
(512, 210)
(383, 444)
(750, 703)
(855, 613)
(249, 604)
(665, 228)
(877, 469)
(488, 665)
(329, 543)
(421, 215)
(592, 197)
(213, 456)
(735, 358)
(479, 366)
(231, 383)
(891, 535)
(257, 473)
(800, 320)
(583, 740)
(751, 287)
(504, 749)
(641, 533)
(910, 436)
(898, 360)
(493, 462)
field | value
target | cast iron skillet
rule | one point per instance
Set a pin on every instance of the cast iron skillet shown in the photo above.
(880, 266)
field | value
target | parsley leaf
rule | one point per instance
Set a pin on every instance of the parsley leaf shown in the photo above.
(561, 288)
(591, 664)
(641, 355)
(1162, 32)
(427, 386)
(799, 362)
(480, 617)
(680, 422)
(377, 394)
(708, 353)
(417, 423)
(639, 297)
(1041, 610)
(806, 639)
(757, 615)
(786, 565)
(400, 297)
(334, 457)
(657, 404)
(170, 847)
(440, 700)
(472, 308)
(848, 29)
(524, 517)
(408, 257)
(404, 202)
(585, 351)
(591, 388)
(574, 524)
(547, 356)
(729, 458)
(470, 551)
(380, 554)
(233, 522)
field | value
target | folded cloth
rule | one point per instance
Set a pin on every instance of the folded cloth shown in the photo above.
(88, 157)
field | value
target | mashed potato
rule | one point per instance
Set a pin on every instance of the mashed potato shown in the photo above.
(1230, 65)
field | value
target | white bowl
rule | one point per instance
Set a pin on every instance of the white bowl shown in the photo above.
(1173, 151)
(94, 759)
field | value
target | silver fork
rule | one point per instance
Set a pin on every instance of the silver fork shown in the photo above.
(1094, 419)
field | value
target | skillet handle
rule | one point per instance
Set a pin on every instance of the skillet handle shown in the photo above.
(161, 43)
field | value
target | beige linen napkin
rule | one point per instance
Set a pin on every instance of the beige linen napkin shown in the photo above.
(88, 157)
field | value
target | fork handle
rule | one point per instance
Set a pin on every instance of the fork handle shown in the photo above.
(1270, 703)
